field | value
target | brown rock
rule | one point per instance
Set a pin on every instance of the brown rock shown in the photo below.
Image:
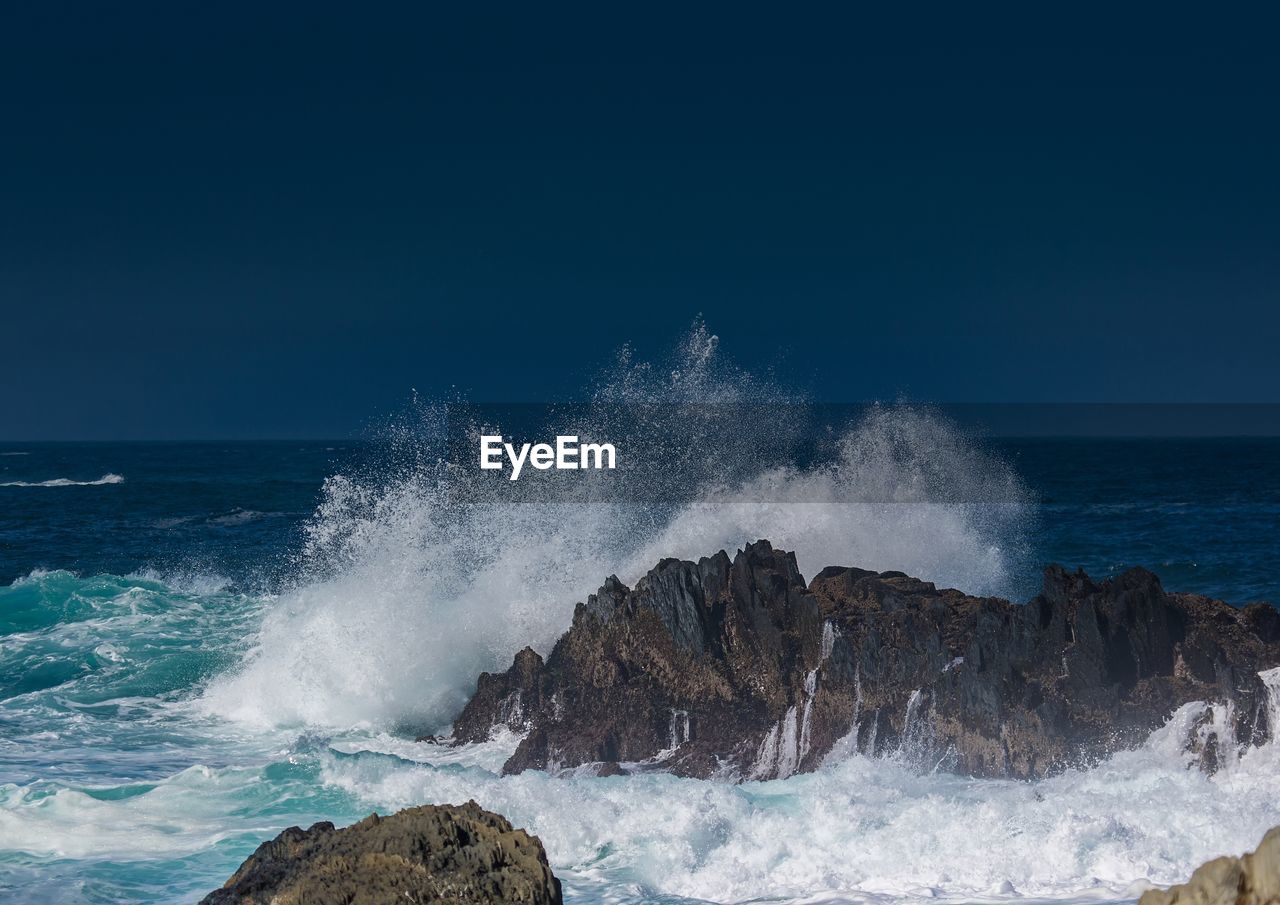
(442, 854)
(1251, 880)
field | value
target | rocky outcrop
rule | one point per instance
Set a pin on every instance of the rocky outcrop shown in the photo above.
(738, 669)
(430, 854)
(1251, 880)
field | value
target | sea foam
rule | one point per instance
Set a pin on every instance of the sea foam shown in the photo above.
(67, 482)
(863, 828)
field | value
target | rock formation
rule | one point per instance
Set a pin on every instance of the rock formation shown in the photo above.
(430, 854)
(1251, 880)
(737, 669)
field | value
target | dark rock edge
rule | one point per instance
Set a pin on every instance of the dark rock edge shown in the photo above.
(735, 668)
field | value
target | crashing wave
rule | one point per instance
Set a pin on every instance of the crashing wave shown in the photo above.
(418, 578)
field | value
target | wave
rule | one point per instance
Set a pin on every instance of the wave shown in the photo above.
(67, 482)
(417, 579)
(90, 639)
(868, 828)
(414, 578)
(861, 830)
(241, 517)
(174, 521)
(180, 814)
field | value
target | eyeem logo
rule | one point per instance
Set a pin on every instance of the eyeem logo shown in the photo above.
(566, 455)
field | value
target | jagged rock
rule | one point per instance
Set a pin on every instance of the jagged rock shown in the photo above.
(502, 698)
(736, 668)
(431, 854)
(1251, 880)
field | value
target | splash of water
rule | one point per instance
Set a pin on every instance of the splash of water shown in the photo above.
(416, 580)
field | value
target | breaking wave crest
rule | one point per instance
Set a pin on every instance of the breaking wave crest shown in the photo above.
(67, 482)
(417, 577)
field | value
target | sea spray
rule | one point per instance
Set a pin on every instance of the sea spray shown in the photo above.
(417, 579)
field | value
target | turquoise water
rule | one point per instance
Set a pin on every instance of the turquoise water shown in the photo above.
(222, 643)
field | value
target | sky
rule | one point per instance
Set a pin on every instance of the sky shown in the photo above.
(220, 221)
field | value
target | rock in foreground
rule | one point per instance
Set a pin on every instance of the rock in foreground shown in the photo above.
(737, 669)
(1251, 880)
(431, 854)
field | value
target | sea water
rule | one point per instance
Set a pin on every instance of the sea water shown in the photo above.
(203, 644)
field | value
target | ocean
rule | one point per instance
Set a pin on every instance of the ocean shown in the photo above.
(202, 644)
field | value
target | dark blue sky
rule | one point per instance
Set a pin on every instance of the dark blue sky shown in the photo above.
(217, 221)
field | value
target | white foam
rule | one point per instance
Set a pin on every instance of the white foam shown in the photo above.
(864, 830)
(67, 482)
(871, 829)
(184, 813)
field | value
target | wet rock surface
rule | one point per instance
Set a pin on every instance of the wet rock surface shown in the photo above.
(1251, 880)
(736, 668)
(429, 854)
